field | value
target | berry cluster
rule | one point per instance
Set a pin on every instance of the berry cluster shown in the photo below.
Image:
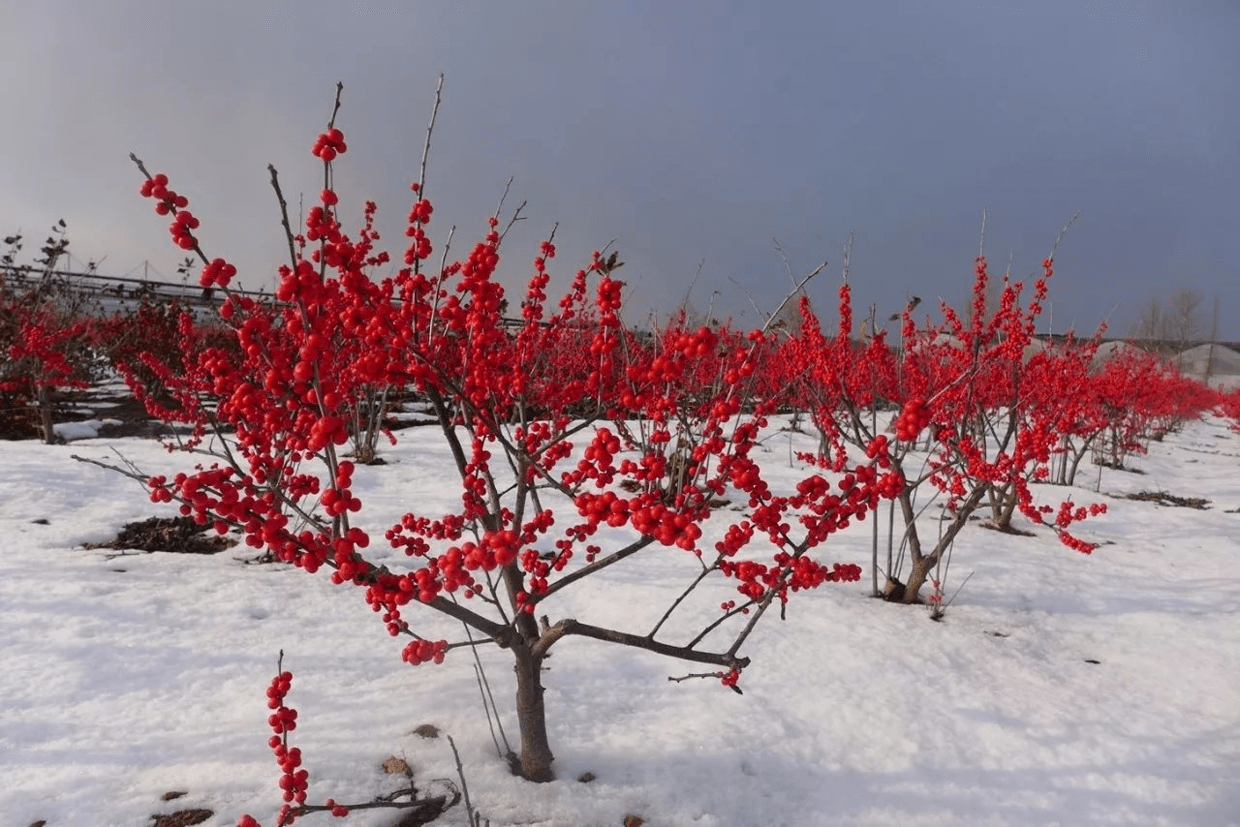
(913, 419)
(217, 273)
(424, 651)
(878, 449)
(329, 144)
(182, 228)
(294, 780)
(166, 199)
(169, 201)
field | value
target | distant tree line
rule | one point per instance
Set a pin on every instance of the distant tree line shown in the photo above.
(1181, 320)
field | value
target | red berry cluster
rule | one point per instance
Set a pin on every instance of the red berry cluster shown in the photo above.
(293, 779)
(168, 201)
(339, 499)
(737, 537)
(182, 228)
(607, 508)
(321, 224)
(609, 295)
(419, 216)
(217, 273)
(420, 212)
(329, 144)
(328, 430)
(913, 419)
(668, 526)
(424, 651)
(877, 450)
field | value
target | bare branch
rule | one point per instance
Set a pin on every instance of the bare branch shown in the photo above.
(981, 242)
(426, 148)
(597, 565)
(1063, 232)
(288, 229)
(331, 122)
(573, 627)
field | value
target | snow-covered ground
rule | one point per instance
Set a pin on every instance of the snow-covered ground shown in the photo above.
(1060, 689)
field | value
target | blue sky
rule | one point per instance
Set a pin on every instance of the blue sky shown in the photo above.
(691, 133)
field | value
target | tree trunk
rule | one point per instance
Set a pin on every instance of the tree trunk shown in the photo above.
(45, 414)
(906, 592)
(1003, 518)
(923, 564)
(1070, 479)
(917, 576)
(874, 591)
(536, 757)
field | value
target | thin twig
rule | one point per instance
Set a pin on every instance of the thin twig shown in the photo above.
(484, 689)
(695, 675)
(1063, 232)
(288, 229)
(958, 588)
(426, 147)
(474, 820)
(331, 122)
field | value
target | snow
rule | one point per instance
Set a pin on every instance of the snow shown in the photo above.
(128, 675)
(83, 429)
(1217, 366)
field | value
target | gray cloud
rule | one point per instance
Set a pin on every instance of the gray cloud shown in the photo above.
(690, 132)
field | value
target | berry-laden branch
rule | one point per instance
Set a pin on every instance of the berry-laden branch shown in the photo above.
(295, 779)
(184, 223)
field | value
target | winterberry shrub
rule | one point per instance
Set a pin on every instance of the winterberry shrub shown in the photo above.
(578, 446)
(970, 426)
(45, 341)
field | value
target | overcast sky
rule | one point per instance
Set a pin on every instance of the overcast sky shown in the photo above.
(692, 133)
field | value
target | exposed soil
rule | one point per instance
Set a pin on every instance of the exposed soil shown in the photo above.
(182, 818)
(1007, 529)
(131, 419)
(180, 535)
(1161, 498)
(1117, 466)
